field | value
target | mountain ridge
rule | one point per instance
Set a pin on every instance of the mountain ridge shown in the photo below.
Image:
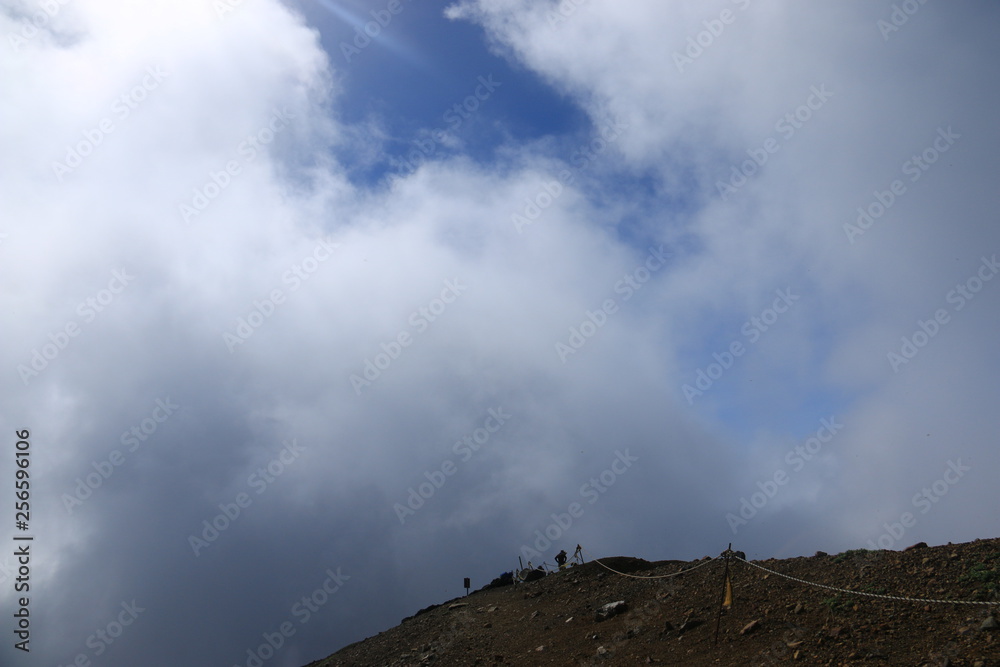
(671, 609)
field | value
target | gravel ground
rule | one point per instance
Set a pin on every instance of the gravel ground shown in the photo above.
(772, 621)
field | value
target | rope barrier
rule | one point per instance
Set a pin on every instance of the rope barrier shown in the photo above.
(864, 593)
(730, 554)
(659, 576)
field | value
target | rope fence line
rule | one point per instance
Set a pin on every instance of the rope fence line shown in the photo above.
(865, 593)
(658, 576)
(729, 554)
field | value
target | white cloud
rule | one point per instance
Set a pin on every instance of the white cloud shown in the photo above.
(495, 343)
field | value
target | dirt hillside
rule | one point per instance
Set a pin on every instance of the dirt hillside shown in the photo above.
(672, 621)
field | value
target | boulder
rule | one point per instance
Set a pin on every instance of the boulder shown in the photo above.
(609, 610)
(527, 575)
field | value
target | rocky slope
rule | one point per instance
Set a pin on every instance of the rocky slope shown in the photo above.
(672, 621)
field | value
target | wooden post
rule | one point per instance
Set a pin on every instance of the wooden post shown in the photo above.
(725, 580)
(467, 584)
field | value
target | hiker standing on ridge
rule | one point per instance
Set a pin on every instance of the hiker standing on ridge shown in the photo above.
(561, 559)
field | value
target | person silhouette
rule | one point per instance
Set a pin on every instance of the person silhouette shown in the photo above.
(561, 559)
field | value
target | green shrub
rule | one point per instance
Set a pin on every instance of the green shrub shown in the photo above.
(986, 578)
(836, 604)
(850, 553)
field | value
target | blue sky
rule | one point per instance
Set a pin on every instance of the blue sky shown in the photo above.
(309, 294)
(418, 67)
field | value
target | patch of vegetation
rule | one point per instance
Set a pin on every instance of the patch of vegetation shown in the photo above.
(980, 573)
(986, 577)
(995, 556)
(850, 553)
(838, 603)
